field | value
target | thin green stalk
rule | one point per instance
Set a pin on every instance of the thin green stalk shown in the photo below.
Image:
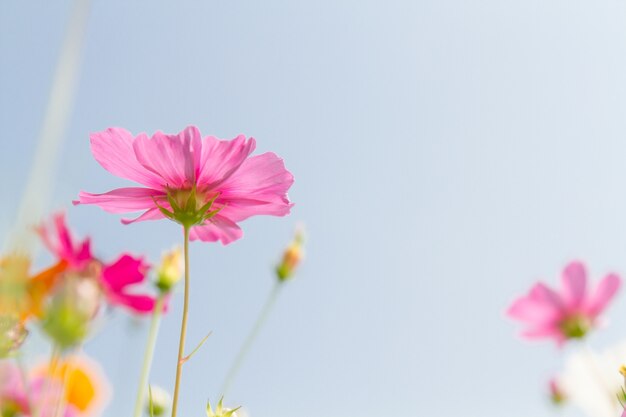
(54, 361)
(24, 375)
(149, 354)
(183, 327)
(249, 341)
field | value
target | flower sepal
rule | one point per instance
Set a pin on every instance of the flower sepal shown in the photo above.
(187, 209)
(220, 411)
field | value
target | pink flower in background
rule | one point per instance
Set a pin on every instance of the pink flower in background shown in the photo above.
(119, 277)
(59, 241)
(116, 278)
(188, 174)
(569, 314)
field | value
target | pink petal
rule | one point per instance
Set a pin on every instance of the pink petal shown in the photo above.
(60, 242)
(220, 228)
(123, 200)
(140, 304)
(221, 158)
(604, 293)
(574, 281)
(259, 186)
(529, 310)
(152, 214)
(126, 270)
(113, 149)
(542, 332)
(545, 333)
(542, 294)
(174, 158)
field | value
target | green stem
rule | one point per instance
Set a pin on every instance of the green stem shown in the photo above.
(149, 355)
(249, 341)
(183, 327)
(24, 375)
(47, 388)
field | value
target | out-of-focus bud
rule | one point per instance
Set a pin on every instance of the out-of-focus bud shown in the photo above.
(12, 335)
(159, 402)
(292, 257)
(170, 271)
(557, 395)
(68, 316)
(220, 411)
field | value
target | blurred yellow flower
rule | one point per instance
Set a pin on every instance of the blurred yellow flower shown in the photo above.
(85, 386)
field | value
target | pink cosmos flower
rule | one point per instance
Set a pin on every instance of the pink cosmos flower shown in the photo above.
(116, 278)
(568, 314)
(187, 175)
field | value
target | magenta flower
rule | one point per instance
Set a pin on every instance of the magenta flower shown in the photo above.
(206, 184)
(59, 241)
(566, 315)
(116, 278)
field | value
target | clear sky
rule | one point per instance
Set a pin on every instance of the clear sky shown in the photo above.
(447, 153)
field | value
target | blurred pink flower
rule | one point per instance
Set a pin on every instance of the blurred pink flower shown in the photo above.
(569, 314)
(116, 278)
(172, 167)
(59, 241)
(14, 399)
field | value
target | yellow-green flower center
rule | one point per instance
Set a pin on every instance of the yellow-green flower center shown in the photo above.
(575, 326)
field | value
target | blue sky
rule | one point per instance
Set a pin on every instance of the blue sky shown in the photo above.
(447, 153)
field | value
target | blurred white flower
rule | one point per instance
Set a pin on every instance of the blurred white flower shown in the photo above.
(592, 381)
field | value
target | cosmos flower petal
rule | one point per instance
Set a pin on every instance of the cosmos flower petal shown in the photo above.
(140, 304)
(59, 241)
(126, 270)
(175, 158)
(528, 309)
(221, 158)
(220, 228)
(541, 332)
(122, 200)
(542, 294)
(574, 282)
(113, 149)
(604, 293)
(152, 214)
(259, 186)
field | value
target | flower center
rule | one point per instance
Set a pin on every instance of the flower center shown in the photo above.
(575, 326)
(189, 207)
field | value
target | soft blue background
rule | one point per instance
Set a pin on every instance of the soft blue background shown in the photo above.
(447, 154)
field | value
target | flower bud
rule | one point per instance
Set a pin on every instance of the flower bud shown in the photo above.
(292, 256)
(557, 395)
(71, 309)
(220, 411)
(170, 271)
(159, 401)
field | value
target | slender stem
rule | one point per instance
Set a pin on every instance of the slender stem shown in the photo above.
(183, 327)
(149, 355)
(60, 401)
(249, 341)
(48, 386)
(24, 375)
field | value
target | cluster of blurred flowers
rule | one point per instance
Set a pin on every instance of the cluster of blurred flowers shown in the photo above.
(593, 382)
(206, 185)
